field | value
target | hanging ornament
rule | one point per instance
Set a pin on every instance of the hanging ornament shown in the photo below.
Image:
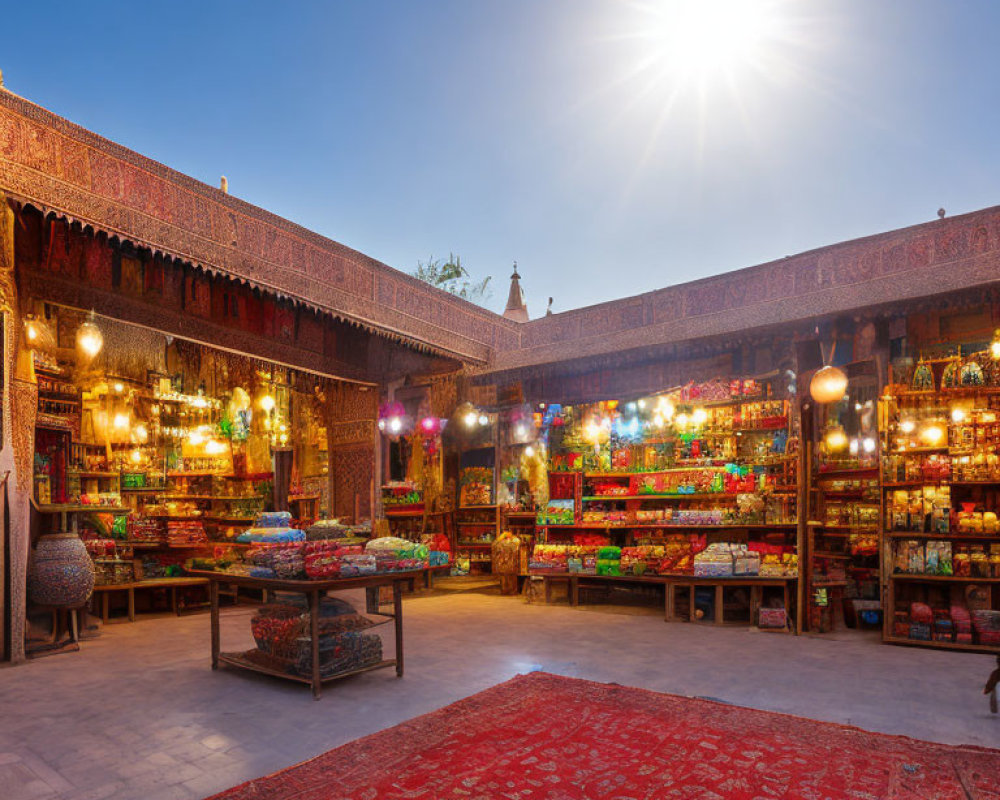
(835, 438)
(828, 385)
(89, 338)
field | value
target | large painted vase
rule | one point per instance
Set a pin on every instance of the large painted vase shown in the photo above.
(61, 573)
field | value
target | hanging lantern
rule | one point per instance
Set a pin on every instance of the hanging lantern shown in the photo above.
(89, 337)
(828, 385)
(836, 438)
(933, 434)
(37, 334)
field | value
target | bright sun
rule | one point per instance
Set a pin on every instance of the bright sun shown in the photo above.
(697, 38)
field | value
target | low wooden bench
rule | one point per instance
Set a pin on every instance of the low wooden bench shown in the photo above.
(149, 583)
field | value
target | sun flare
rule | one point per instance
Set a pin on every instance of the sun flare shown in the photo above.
(699, 38)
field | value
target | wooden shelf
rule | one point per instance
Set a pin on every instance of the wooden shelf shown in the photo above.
(974, 648)
(971, 537)
(694, 496)
(474, 508)
(914, 577)
(59, 508)
(847, 472)
(651, 525)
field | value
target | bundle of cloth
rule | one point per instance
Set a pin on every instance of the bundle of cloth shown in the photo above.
(393, 554)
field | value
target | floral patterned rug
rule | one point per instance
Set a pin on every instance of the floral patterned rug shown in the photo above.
(545, 736)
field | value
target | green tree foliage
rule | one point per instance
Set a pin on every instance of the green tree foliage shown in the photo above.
(451, 276)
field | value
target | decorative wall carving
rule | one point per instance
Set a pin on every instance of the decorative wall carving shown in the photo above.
(48, 161)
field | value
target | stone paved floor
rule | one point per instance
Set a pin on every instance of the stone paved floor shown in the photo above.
(137, 713)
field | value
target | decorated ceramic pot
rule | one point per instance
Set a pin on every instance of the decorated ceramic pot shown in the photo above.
(61, 572)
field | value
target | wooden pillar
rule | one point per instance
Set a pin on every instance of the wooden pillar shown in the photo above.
(19, 406)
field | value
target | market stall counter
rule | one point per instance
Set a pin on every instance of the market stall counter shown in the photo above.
(305, 666)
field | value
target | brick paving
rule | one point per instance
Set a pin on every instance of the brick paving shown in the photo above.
(138, 713)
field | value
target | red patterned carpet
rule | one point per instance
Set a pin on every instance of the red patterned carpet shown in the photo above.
(544, 736)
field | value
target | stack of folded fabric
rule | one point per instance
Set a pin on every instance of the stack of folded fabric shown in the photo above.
(962, 623)
(987, 625)
(183, 533)
(921, 621)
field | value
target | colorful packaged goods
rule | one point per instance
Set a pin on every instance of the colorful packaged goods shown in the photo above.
(772, 618)
(476, 486)
(715, 561)
(558, 512)
(986, 623)
(113, 571)
(273, 519)
(271, 534)
(609, 561)
(145, 530)
(322, 559)
(549, 559)
(641, 560)
(183, 533)
(281, 632)
(326, 529)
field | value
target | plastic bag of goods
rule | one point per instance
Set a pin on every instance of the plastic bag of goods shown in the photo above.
(609, 561)
(273, 519)
(506, 555)
(259, 534)
(322, 558)
(326, 529)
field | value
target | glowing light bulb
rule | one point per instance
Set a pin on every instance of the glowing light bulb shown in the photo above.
(836, 439)
(267, 403)
(119, 387)
(957, 414)
(868, 444)
(214, 447)
(120, 421)
(995, 345)
(641, 404)
(395, 425)
(470, 419)
(907, 426)
(853, 447)
(381, 424)
(89, 338)
(658, 420)
(484, 420)
(529, 451)
(828, 385)
(135, 456)
(699, 417)
(932, 435)
(141, 433)
(682, 420)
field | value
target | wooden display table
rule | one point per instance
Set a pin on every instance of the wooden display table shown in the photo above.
(313, 590)
(149, 583)
(673, 582)
(755, 583)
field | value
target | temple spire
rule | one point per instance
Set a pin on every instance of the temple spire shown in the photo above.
(516, 309)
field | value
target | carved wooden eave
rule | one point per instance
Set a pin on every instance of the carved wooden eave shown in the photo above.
(64, 169)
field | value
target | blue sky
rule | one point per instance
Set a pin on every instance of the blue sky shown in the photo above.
(558, 133)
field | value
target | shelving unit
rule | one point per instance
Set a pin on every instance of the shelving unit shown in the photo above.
(941, 539)
(843, 545)
(729, 478)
